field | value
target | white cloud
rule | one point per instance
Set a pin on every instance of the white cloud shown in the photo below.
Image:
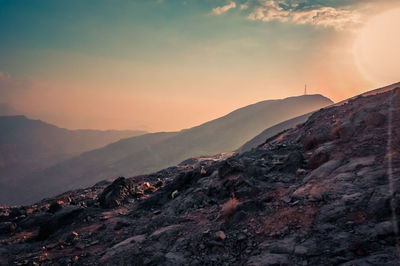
(287, 11)
(244, 6)
(222, 9)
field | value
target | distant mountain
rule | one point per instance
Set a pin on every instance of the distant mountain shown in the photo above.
(30, 145)
(151, 152)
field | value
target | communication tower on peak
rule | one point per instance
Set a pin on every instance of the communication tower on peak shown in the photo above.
(305, 89)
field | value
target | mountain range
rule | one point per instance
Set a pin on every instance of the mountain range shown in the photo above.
(151, 152)
(28, 145)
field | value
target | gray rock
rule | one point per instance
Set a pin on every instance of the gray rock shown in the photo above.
(114, 194)
(284, 246)
(384, 228)
(323, 171)
(268, 259)
(354, 163)
(174, 258)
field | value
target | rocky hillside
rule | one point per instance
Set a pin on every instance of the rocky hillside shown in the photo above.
(323, 193)
(153, 152)
(271, 131)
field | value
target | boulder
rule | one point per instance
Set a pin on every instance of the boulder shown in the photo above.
(114, 194)
(60, 219)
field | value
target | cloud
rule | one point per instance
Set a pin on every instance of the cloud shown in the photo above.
(222, 9)
(244, 6)
(304, 12)
(10, 85)
(4, 76)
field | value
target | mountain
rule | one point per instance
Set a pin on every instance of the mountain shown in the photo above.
(323, 193)
(271, 131)
(152, 152)
(29, 145)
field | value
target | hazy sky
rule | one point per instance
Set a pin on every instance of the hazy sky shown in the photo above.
(173, 64)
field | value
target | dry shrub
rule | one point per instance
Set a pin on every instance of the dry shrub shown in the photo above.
(229, 208)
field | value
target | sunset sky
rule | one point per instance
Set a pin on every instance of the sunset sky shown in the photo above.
(173, 64)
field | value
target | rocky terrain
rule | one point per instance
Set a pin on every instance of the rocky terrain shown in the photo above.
(155, 151)
(323, 193)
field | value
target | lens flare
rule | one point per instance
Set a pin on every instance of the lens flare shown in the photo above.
(376, 48)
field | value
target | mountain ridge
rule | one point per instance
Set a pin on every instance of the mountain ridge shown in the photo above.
(223, 134)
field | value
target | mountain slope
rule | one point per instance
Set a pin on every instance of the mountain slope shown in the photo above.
(324, 193)
(131, 157)
(27, 145)
(271, 131)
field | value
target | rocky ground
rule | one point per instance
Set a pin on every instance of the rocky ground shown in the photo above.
(319, 194)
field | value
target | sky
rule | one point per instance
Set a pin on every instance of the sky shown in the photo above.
(163, 65)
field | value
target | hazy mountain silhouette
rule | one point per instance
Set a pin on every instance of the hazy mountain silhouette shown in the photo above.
(151, 152)
(29, 145)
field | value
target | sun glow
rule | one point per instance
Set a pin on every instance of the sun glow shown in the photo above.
(377, 48)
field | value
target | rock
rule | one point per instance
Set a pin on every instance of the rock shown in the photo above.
(268, 259)
(73, 236)
(301, 171)
(127, 244)
(60, 219)
(314, 139)
(128, 241)
(345, 131)
(284, 246)
(16, 212)
(114, 194)
(174, 194)
(354, 163)
(170, 228)
(317, 160)
(220, 235)
(35, 220)
(384, 228)
(301, 250)
(324, 170)
(7, 227)
(293, 161)
(174, 258)
(241, 237)
(375, 259)
(375, 119)
(203, 171)
(54, 207)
